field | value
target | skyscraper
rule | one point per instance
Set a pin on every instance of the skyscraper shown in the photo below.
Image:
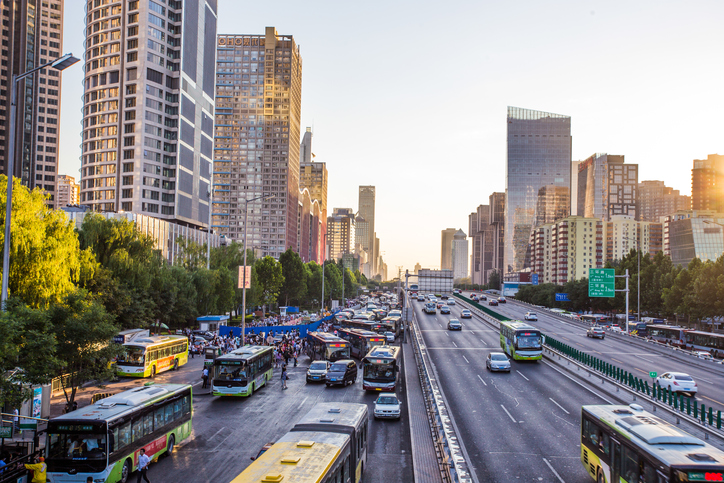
(32, 34)
(460, 257)
(312, 175)
(148, 113)
(539, 154)
(259, 92)
(341, 233)
(366, 209)
(707, 183)
(607, 187)
(656, 200)
(446, 239)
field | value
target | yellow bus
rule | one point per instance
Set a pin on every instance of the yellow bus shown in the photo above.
(147, 356)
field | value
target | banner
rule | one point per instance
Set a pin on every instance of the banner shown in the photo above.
(37, 401)
(241, 277)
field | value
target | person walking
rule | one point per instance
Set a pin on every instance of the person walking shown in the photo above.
(16, 420)
(284, 376)
(143, 462)
(205, 377)
(39, 471)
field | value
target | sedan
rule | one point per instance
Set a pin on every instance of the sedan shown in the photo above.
(530, 316)
(390, 336)
(454, 324)
(420, 298)
(387, 406)
(317, 371)
(451, 301)
(493, 302)
(677, 382)
(440, 304)
(502, 300)
(444, 309)
(466, 314)
(497, 361)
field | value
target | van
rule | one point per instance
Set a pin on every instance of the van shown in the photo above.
(341, 372)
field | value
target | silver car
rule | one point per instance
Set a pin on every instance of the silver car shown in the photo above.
(497, 361)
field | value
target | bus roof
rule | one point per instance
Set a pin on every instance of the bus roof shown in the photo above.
(362, 332)
(386, 352)
(518, 325)
(246, 352)
(334, 414)
(325, 337)
(700, 332)
(657, 437)
(154, 340)
(118, 404)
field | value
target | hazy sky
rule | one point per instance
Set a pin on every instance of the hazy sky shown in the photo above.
(411, 96)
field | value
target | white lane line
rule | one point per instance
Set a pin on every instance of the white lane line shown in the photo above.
(481, 380)
(506, 412)
(647, 360)
(554, 471)
(481, 340)
(521, 375)
(455, 344)
(466, 359)
(215, 434)
(194, 385)
(710, 382)
(472, 332)
(302, 404)
(562, 408)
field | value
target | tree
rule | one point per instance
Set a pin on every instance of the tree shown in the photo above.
(494, 280)
(295, 283)
(332, 281)
(268, 273)
(350, 284)
(191, 255)
(314, 281)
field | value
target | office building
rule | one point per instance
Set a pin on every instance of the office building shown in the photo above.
(311, 227)
(460, 256)
(553, 203)
(418, 267)
(607, 187)
(32, 34)
(446, 240)
(341, 232)
(656, 200)
(624, 233)
(68, 191)
(574, 187)
(259, 85)
(538, 154)
(312, 175)
(366, 210)
(149, 109)
(707, 183)
(693, 234)
(496, 201)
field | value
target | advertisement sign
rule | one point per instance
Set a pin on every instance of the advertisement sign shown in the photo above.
(282, 311)
(241, 277)
(37, 402)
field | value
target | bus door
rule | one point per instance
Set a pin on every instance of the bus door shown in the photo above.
(615, 460)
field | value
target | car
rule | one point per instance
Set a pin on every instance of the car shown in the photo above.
(703, 355)
(501, 300)
(596, 332)
(466, 314)
(454, 324)
(482, 297)
(497, 361)
(493, 302)
(677, 382)
(430, 308)
(444, 309)
(317, 371)
(457, 290)
(474, 297)
(388, 406)
(451, 301)
(440, 304)
(390, 336)
(444, 297)
(341, 372)
(530, 316)
(420, 298)
(616, 329)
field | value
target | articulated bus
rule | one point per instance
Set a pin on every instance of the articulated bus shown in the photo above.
(103, 440)
(242, 371)
(628, 444)
(148, 356)
(328, 445)
(520, 340)
(324, 346)
(380, 368)
(667, 334)
(361, 341)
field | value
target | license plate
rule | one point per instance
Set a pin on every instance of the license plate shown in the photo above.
(378, 389)
(333, 379)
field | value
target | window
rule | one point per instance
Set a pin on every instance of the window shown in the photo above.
(629, 464)
(154, 76)
(137, 430)
(147, 424)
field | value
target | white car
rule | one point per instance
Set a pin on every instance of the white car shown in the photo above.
(677, 382)
(703, 355)
(497, 361)
(530, 316)
(466, 314)
(390, 336)
(451, 301)
(387, 406)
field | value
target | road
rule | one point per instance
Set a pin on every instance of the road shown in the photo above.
(521, 426)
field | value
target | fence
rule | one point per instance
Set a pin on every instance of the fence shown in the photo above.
(275, 329)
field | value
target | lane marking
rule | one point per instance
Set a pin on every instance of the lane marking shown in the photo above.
(710, 382)
(506, 412)
(641, 370)
(647, 360)
(481, 380)
(302, 404)
(620, 362)
(215, 434)
(570, 378)
(562, 408)
(454, 343)
(484, 343)
(472, 332)
(521, 375)
(710, 399)
(466, 359)
(554, 471)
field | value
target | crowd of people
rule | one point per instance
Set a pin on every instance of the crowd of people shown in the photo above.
(272, 320)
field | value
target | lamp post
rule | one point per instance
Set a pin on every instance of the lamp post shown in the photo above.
(60, 63)
(243, 285)
(208, 233)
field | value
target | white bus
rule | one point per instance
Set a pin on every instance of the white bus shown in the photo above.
(103, 440)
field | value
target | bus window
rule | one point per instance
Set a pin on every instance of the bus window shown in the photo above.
(168, 412)
(147, 424)
(629, 464)
(137, 429)
(124, 436)
(605, 444)
(649, 472)
(185, 405)
(158, 418)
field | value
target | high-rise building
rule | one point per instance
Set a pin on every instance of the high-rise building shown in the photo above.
(32, 34)
(656, 200)
(259, 93)
(312, 175)
(574, 186)
(607, 187)
(341, 232)
(366, 210)
(693, 234)
(707, 183)
(68, 191)
(496, 201)
(624, 233)
(553, 204)
(538, 154)
(148, 113)
(460, 255)
(446, 239)
(418, 267)
(305, 148)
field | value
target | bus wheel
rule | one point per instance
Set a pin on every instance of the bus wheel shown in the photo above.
(251, 390)
(153, 372)
(175, 364)
(600, 478)
(126, 471)
(170, 445)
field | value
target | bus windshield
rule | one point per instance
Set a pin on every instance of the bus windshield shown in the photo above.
(379, 372)
(232, 373)
(134, 356)
(530, 340)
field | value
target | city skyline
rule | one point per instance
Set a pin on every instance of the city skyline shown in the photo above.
(665, 57)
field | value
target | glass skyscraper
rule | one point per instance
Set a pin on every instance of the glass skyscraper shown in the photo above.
(539, 154)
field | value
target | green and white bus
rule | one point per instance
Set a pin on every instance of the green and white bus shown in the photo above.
(103, 440)
(242, 371)
(520, 341)
(628, 444)
(147, 356)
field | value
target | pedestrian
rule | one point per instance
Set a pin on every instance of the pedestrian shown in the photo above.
(143, 462)
(39, 471)
(205, 377)
(295, 358)
(284, 376)
(16, 420)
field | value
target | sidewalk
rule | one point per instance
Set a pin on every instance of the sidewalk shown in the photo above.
(424, 458)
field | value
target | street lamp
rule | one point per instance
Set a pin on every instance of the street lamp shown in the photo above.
(243, 284)
(60, 63)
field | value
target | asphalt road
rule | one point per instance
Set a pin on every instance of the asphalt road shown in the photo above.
(521, 426)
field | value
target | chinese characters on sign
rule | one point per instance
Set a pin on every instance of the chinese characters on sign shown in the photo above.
(602, 282)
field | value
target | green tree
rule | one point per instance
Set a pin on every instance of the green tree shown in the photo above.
(350, 284)
(494, 280)
(190, 255)
(332, 282)
(268, 273)
(314, 283)
(295, 281)
(206, 283)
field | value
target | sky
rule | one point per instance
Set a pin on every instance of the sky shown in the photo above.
(411, 96)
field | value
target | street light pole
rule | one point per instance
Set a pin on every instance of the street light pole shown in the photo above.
(60, 63)
(208, 233)
(323, 262)
(243, 283)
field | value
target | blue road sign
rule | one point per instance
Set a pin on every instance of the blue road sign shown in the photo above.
(562, 297)
(534, 278)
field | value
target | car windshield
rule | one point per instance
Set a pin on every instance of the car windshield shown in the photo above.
(465, 312)
(318, 366)
(387, 400)
(531, 314)
(529, 341)
(683, 378)
(498, 357)
(338, 368)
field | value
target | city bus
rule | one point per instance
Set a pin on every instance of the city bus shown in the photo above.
(520, 340)
(667, 334)
(393, 324)
(626, 443)
(380, 368)
(103, 440)
(328, 445)
(242, 371)
(706, 341)
(324, 346)
(148, 356)
(361, 341)
(599, 320)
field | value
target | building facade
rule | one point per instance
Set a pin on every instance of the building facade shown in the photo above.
(32, 35)
(607, 187)
(366, 210)
(446, 239)
(707, 183)
(460, 256)
(693, 234)
(68, 192)
(656, 200)
(485, 228)
(538, 154)
(624, 233)
(259, 91)
(341, 232)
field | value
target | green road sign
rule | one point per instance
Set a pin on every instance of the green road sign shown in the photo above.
(653, 374)
(602, 282)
